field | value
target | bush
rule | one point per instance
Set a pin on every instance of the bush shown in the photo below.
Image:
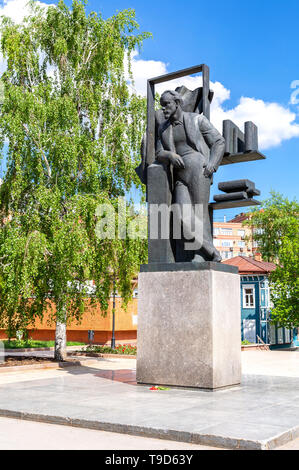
(128, 349)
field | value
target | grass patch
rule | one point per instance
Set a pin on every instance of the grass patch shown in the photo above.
(31, 343)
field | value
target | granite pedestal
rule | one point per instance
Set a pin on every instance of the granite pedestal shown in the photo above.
(189, 325)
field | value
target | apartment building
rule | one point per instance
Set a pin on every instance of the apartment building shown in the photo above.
(233, 239)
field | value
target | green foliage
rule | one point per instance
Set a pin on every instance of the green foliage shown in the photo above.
(73, 130)
(276, 229)
(1, 92)
(127, 349)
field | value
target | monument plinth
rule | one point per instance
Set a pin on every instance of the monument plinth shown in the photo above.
(189, 325)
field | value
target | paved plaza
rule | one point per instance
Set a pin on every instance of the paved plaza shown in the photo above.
(261, 413)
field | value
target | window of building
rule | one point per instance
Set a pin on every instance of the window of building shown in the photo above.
(227, 243)
(249, 330)
(226, 231)
(248, 296)
(217, 242)
(241, 233)
(241, 244)
(287, 335)
(280, 335)
(216, 231)
(265, 294)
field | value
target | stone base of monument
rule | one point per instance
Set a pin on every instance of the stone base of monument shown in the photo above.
(189, 325)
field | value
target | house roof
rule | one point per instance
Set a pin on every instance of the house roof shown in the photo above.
(243, 216)
(250, 266)
(239, 218)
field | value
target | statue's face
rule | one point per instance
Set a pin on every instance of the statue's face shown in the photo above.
(169, 106)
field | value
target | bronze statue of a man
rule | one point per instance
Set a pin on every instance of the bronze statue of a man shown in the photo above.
(194, 147)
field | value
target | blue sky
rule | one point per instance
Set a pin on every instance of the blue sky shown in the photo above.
(252, 50)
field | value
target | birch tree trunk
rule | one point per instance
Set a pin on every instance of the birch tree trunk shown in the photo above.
(60, 340)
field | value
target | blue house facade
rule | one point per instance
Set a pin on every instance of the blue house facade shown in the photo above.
(256, 305)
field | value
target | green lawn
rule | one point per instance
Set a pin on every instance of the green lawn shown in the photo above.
(20, 344)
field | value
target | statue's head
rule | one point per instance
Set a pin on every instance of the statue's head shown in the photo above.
(170, 102)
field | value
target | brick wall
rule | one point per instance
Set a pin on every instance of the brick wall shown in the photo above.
(125, 325)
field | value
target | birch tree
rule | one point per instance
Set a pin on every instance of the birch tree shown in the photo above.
(72, 127)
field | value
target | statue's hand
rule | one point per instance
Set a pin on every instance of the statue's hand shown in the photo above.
(176, 161)
(208, 170)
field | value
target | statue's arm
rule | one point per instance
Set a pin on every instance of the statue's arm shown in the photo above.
(162, 156)
(215, 142)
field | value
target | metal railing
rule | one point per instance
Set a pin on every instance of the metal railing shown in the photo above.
(262, 344)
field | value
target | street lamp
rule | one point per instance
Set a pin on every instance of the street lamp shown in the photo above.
(113, 317)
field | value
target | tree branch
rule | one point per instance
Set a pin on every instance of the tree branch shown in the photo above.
(41, 151)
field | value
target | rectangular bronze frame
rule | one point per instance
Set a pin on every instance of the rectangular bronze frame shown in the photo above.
(150, 132)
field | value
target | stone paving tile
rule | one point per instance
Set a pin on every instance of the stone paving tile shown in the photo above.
(243, 431)
(188, 421)
(127, 376)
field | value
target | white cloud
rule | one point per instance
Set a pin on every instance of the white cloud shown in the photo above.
(276, 123)
(16, 9)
